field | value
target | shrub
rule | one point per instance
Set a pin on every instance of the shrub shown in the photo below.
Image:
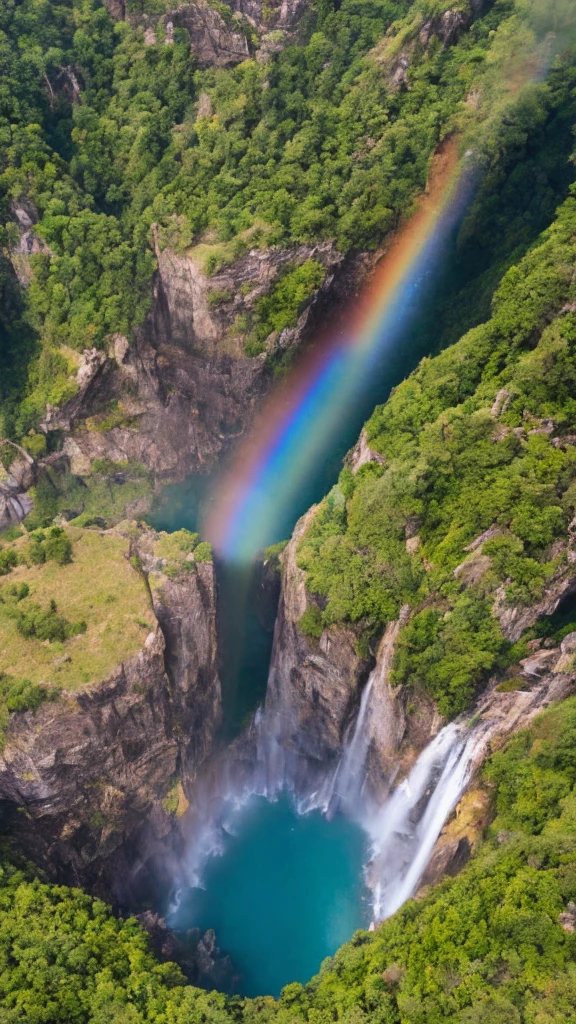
(203, 553)
(218, 296)
(16, 591)
(23, 695)
(310, 622)
(53, 546)
(58, 546)
(45, 623)
(8, 560)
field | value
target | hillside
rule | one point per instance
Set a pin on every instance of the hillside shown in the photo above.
(189, 194)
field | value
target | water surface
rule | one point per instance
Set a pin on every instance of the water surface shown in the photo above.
(286, 892)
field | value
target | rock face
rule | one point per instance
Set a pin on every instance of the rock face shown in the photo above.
(184, 387)
(14, 501)
(399, 724)
(446, 27)
(223, 34)
(212, 39)
(90, 774)
(315, 688)
(29, 244)
(497, 716)
(314, 685)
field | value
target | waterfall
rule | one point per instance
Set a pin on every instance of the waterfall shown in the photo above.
(342, 786)
(349, 774)
(403, 832)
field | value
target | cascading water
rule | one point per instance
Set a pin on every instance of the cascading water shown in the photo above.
(342, 787)
(403, 836)
(402, 831)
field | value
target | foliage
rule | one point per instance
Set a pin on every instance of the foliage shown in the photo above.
(103, 495)
(100, 141)
(456, 467)
(310, 622)
(55, 545)
(8, 560)
(450, 654)
(22, 695)
(177, 544)
(203, 553)
(281, 306)
(45, 623)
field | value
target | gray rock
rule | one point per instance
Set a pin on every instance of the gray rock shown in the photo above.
(89, 772)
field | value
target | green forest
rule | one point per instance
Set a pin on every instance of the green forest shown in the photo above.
(455, 465)
(315, 144)
(116, 143)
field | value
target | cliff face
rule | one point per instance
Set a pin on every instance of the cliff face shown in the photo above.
(223, 34)
(14, 501)
(314, 685)
(498, 715)
(184, 388)
(98, 779)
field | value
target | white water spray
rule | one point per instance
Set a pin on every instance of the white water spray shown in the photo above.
(343, 785)
(402, 831)
(403, 835)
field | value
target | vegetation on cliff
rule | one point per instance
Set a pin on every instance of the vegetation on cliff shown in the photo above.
(72, 608)
(497, 945)
(101, 139)
(480, 438)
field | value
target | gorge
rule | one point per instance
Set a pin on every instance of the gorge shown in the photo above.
(287, 512)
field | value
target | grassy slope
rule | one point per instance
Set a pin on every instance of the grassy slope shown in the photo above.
(99, 586)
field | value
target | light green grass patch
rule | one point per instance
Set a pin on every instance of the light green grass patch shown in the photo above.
(99, 586)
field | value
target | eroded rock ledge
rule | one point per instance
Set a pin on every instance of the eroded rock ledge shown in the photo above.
(96, 781)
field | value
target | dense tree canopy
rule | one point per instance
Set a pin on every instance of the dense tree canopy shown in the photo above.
(100, 138)
(472, 441)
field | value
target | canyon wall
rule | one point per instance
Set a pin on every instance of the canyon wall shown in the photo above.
(184, 388)
(95, 783)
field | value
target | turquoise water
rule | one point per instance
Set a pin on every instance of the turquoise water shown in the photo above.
(285, 894)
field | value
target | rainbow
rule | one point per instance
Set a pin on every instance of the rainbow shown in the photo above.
(296, 423)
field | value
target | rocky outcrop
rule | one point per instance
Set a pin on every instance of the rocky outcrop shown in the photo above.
(398, 724)
(15, 503)
(362, 453)
(29, 244)
(314, 685)
(213, 40)
(500, 713)
(515, 619)
(184, 388)
(91, 774)
(446, 26)
(225, 33)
